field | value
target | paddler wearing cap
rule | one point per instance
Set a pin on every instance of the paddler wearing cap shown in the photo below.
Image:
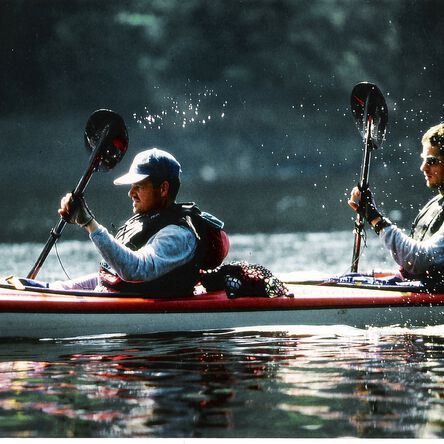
(161, 248)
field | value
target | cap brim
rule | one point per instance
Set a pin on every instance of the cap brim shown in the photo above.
(130, 178)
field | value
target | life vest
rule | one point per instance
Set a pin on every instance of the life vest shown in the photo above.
(212, 248)
(429, 220)
(426, 224)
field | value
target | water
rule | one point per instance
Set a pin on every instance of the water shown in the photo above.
(328, 252)
(280, 382)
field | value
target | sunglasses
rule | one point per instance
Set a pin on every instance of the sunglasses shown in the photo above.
(432, 160)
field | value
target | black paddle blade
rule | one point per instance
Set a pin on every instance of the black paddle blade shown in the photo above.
(368, 107)
(106, 124)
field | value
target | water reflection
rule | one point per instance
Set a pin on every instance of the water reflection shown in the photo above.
(225, 384)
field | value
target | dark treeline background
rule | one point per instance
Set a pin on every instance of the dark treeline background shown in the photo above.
(251, 96)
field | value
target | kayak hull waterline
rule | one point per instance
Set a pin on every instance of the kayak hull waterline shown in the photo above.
(49, 314)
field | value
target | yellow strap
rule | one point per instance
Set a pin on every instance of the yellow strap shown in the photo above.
(15, 282)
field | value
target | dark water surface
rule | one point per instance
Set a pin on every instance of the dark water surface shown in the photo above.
(226, 384)
(288, 382)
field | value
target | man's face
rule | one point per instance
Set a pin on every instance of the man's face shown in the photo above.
(145, 197)
(432, 166)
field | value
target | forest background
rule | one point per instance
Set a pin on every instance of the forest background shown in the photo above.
(252, 97)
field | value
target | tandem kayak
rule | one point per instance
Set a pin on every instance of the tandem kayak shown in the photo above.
(43, 313)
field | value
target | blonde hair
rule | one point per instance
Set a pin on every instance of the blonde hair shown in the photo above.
(435, 135)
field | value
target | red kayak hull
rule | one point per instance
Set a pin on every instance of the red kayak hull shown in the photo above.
(65, 314)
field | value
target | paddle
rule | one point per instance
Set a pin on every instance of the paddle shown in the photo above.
(370, 112)
(107, 139)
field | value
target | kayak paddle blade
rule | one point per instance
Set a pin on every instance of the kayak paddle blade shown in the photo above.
(369, 108)
(107, 128)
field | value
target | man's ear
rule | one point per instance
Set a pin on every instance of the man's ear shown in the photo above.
(164, 189)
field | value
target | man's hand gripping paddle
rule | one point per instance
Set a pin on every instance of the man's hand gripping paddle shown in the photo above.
(370, 112)
(106, 138)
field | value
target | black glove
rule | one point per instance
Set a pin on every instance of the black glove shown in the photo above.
(367, 207)
(79, 212)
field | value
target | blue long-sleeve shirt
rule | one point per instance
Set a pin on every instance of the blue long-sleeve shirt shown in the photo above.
(168, 249)
(416, 257)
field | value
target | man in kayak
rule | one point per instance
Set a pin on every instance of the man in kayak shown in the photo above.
(420, 255)
(158, 251)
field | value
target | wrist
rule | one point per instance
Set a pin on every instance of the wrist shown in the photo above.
(375, 220)
(381, 224)
(86, 222)
(91, 226)
(372, 215)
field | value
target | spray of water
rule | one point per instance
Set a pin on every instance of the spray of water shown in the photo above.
(195, 108)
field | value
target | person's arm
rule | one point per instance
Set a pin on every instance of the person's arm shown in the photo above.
(168, 249)
(88, 282)
(416, 257)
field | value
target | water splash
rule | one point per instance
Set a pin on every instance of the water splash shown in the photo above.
(199, 108)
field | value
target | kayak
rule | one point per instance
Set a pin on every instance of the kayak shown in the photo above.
(32, 312)
(43, 313)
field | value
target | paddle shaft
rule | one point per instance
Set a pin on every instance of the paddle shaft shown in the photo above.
(56, 232)
(363, 185)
